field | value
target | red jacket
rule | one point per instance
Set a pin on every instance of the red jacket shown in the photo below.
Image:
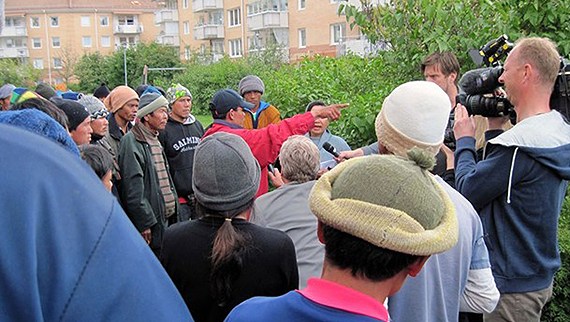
(266, 142)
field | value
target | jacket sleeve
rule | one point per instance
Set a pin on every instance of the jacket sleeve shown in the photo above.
(482, 182)
(132, 163)
(266, 142)
(480, 294)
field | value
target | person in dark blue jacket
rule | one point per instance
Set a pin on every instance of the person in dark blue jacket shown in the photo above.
(519, 187)
(68, 251)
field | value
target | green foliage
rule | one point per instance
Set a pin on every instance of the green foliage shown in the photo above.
(94, 69)
(17, 73)
(414, 28)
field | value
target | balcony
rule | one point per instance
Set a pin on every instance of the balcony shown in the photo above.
(15, 52)
(128, 29)
(165, 15)
(14, 32)
(168, 40)
(209, 31)
(206, 5)
(267, 20)
(360, 46)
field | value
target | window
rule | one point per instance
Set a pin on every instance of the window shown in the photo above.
(234, 17)
(35, 22)
(38, 63)
(36, 43)
(186, 25)
(86, 41)
(127, 20)
(105, 41)
(218, 46)
(104, 21)
(235, 48)
(55, 42)
(302, 38)
(85, 21)
(54, 21)
(184, 4)
(302, 4)
(186, 53)
(57, 63)
(338, 31)
(129, 41)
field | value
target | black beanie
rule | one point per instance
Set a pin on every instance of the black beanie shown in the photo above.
(76, 113)
(102, 91)
(45, 91)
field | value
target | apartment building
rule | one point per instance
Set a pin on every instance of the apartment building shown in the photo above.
(50, 34)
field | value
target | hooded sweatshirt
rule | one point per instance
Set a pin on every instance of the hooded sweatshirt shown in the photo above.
(518, 190)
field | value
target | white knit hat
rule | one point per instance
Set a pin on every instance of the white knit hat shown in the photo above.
(415, 114)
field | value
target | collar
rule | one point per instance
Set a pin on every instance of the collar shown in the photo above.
(340, 297)
(114, 129)
(228, 124)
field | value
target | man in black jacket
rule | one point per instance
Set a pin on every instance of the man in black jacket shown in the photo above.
(179, 139)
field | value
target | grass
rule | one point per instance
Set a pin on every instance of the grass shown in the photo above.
(206, 120)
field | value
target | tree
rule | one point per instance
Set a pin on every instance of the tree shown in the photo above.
(92, 71)
(18, 73)
(68, 59)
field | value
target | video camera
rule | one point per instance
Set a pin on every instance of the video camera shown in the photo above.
(477, 86)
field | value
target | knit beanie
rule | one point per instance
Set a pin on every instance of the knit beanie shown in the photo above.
(101, 91)
(388, 201)
(40, 123)
(118, 97)
(6, 90)
(415, 114)
(149, 103)
(251, 83)
(94, 106)
(176, 92)
(226, 175)
(45, 91)
(76, 113)
(20, 94)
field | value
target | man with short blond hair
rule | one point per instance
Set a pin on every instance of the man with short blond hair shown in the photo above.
(519, 186)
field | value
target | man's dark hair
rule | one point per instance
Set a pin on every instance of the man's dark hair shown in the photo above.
(446, 61)
(364, 260)
(45, 106)
(98, 158)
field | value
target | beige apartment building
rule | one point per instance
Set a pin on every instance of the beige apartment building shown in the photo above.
(51, 34)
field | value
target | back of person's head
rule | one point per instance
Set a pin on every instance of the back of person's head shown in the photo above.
(37, 121)
(415, 114)
(226, 100)
(45, 106)
(45, 90)
(446, 61)
(300, 159)
(381, 213)
(225, 181)
(542, 54)
(98, 158)
(101, 91)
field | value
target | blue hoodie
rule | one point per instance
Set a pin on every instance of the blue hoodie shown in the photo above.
(518, 190)
(68, 251)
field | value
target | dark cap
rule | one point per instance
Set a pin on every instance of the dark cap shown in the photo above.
(101, 91)
(225, 100)
(76, 113)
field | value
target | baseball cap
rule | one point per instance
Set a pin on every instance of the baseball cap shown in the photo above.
(227, 99)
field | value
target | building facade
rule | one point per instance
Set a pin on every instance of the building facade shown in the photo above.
(52, 34)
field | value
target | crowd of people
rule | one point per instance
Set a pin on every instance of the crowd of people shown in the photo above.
(120, 205)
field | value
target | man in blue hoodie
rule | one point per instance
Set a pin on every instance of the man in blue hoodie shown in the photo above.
(519, 186)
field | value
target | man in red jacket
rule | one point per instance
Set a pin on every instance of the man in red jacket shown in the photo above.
(227, 109)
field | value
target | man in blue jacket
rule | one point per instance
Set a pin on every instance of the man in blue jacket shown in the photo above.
(68, 251)
(519, 186)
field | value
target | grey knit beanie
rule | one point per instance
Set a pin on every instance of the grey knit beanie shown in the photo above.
(226, 175)
(251, 83)
(94, 106)
(149, 103)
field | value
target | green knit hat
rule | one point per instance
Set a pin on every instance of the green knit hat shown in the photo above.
(389, 201)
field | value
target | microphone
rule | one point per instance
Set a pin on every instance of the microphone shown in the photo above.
(330, 149)
(481, 80)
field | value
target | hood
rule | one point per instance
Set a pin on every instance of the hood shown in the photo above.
(545, 138)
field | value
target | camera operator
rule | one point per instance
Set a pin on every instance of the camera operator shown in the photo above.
(519, 186)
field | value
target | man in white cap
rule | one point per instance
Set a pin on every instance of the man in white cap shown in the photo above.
(147, 193)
